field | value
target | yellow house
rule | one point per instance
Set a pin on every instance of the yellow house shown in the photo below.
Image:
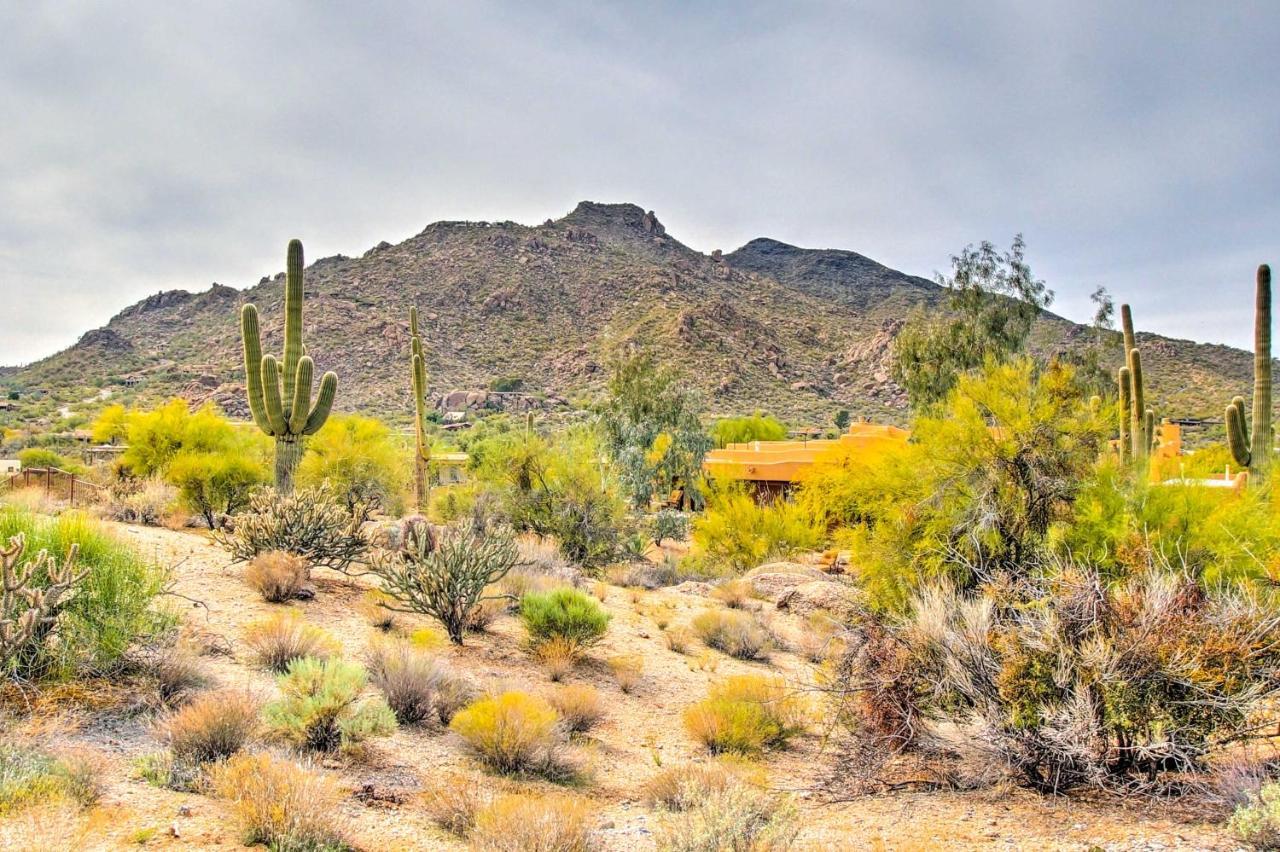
(772, 467)
(449, 468)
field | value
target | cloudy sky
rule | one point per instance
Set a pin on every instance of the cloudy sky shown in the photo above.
(159, 145)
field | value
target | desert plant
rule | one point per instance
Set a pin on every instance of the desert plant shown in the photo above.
(31, 775)
(288, 415)
(176, 670)
(33, 593)
(214, 485)
(408, 677)
(360, 460)
(421, 446)
(281, 638)
(321, 708)
(212, 727)
(147, 501)
(523, 822)
(1254, 450)
(307, 523)
(746, 714)
(733, 593)
(578, 705)
(453, 692)
(736, 633)
(279, 803)
(627, 669)
(445, 574)
(372, 607)
(277, 575)
(735, 817)
(453, 803)
(668, 524)
(678, 638)
(1257, 822)
(558, 655)
(565, 614)
(511, 732)
(677, 788)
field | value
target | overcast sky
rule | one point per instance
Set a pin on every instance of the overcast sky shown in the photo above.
(160, 145)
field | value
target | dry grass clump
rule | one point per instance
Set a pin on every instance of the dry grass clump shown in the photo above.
(280, 804)
(678, 639)
(746, 714)
(522, 822)
(733, 593)
(679, 787)
(212, 727)
(727, 816)
(279, 639)
(453, 692)
(176, 671)
(627, 669)
(454, 802)
(277, 575)
(372, 608)
(737, 634)
(32, 775)
(408, 676)
(820, 640)
(558, 656)
(579, 706)
(511, 732)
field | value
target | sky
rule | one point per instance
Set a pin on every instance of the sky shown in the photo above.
(155, 145)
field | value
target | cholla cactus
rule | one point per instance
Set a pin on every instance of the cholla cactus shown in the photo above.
(288, 415)
(422, 448)
(28, 611)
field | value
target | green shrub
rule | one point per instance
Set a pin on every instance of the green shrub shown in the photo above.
(360, 459)
(215, 485)
(1258, 821)
(512, 732)
(668, 524)
(113, 606)
(564, 614)
(736, 533)
(322, 709)
(33, 776)
(742, 430)
(746, 714)
(43, 457)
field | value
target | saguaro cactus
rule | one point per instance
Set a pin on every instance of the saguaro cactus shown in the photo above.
(1137, 422)
(1254, 450)
(288, 415)
(1124, 399)
(422, 449)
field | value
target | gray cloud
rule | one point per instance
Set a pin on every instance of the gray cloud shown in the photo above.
(156, 145)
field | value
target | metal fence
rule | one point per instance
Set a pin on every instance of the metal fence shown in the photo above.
(56, 483)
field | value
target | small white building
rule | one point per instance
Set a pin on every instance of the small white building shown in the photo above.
(8, 467)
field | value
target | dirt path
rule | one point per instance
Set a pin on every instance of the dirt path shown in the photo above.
(642, 730)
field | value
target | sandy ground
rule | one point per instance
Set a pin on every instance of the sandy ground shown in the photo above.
(641, 730)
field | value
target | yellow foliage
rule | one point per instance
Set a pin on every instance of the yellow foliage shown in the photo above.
(511, 732)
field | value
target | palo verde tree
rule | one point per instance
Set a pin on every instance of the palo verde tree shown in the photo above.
(992, 301)
(421, 447)
(1254, 450)
(286, 415)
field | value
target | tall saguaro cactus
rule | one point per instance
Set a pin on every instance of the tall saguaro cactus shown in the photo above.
(288, 415)
(422, 448)
(1254, 450)
(1137, 422)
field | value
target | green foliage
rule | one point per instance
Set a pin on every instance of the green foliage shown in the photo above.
(321, 708)
(992, 301)
(507, 384)
(113, 606)
(32, 776)
(557, 487)
(1255, 450)
(1257, 822)
(43, 457)
(216, 485)
(360, 460)
(652, 431)
(111, 426)
(746, 714)
(736, 533)
(157, 436)
(668, 524)
(285, 414)
(565, 614)
(757, 427)
(842, 419)
(445, 573)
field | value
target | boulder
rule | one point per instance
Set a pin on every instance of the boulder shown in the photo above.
(841, 600)
(775, 579)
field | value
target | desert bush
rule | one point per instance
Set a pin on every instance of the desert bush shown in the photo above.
(746, 714)
(360, 460)
(321, 708)
(279, 639)
(148, 501)
(215, 485)
(511, 732)
(308, 523)
(279, 803)
(558, 655)
(111, 610)
(736, 533)
(627, 669)
(525, 822)
(1257, 822)
(677, 788)
(737, 634)
(212, 727)
(564, 614)
(743, 430)
(408, 677)
(735, 817)
(35, 589)
(1065, 680)
(578, 705)
(668, 524)
(372, 607)
(678, 639)
(445, 574)
(453, 803)
(31, 775)
(43, 457)
(453, 692)
(277, 575)
(175, 669)
(733, 593)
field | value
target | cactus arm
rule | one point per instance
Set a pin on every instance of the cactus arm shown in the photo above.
(292, 316)
(301, 408)
(253, 365)
(1260, 450)
(1237, 435)
(271, 396)
(1123, 404)
(1149, 427)
(324, 403)
(1126, 323)
(1137, 406)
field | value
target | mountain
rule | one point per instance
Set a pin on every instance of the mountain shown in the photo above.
(797, 332)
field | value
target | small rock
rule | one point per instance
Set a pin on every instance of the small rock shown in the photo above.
(173, 830)
(184, 811)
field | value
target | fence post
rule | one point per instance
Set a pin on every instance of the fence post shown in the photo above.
(73, 492)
